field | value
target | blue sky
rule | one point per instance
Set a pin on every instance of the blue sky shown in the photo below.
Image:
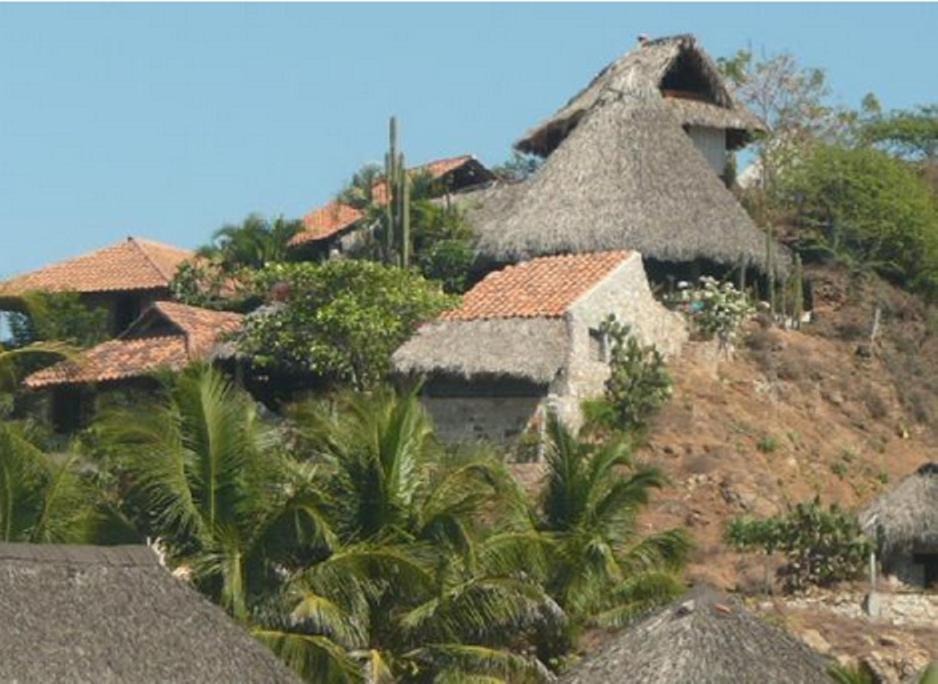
(167, 121)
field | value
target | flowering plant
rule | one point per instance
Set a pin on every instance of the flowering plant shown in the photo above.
(717, 309)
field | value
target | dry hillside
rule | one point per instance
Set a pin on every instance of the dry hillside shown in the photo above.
(792, 415)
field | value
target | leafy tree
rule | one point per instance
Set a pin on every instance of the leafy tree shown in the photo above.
(910, 134)
(206, 283)
(254, 243)
(518, 167)
(208, 479)
(600, 568)
(821, 546)
(867, 209)
(58, 317)
(342, 319)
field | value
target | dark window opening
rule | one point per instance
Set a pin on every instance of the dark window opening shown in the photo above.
(70, 409)
(598, 346)
(126, 311)
(685, 78)
(929, 563)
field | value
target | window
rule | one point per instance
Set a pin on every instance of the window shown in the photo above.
(598, 346)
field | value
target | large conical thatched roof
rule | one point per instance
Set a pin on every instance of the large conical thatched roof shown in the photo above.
(622, 173)
(704, 637)
(906, 518)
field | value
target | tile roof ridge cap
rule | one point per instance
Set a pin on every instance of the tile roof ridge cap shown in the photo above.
(139, 243)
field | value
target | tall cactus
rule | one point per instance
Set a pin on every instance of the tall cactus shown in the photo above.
(770, 266)
(798, 310)
(397, 210)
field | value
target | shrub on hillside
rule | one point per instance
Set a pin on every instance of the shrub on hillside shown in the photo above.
(821, 546)
(638, 385)
(341, 320)
(716, 309)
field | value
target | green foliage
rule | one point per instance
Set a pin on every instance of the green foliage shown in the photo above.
(909, 134)
(822, 546)
(342, 320)
(599, 568)
(58, 317)
(638, 385)
(207, 284)
(518, 167)
(397, 182)
(767, 444)
(252, 244)
(869, 210)
(716, 309)
(444, 245)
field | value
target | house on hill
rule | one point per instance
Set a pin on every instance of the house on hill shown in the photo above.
(633, 161)
(330, 229)
(904, 523)
(705, 636)
(124, 278)
(114, 614)
(167, 336)
(527, 339)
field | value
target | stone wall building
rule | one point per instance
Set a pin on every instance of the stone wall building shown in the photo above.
(527, 339)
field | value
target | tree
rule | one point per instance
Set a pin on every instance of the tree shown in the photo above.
(58, 317)
(866, 209)
(518, 167)
(207, 477)
(253, 244)
(342, 319)
(909, 134)
(600, 568)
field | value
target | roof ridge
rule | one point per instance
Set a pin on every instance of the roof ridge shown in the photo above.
(139, 243)
(79, 554)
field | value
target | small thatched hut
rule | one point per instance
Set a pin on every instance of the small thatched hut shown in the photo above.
(527, 339)
(904, 521)
(707, 637)
(632, 162)
(114, 614)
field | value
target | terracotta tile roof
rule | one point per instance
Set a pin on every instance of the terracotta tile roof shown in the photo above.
(545, 287)
(137, 353)
(133, 264)
(335, 217)
(326, 221)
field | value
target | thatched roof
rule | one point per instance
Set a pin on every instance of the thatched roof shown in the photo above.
(705, 636)
(627, 177)
(113, 614)
(531, 349)
(906, 517)
(665, 68)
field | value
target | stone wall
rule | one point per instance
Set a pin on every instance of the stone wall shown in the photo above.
(469, 419)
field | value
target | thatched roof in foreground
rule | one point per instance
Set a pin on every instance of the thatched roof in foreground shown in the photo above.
(705, 636)
(907, 516)
(113, 614)
(644, 72)
(627, 177)
(531, 349)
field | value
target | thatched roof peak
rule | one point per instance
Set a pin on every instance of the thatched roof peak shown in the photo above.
(906, 518)
(705, 636)
(668, 68)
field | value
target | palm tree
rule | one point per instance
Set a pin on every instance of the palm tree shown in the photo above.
(44, 498)
(252, 244)
(9, 359)
(414, 592)
(600, 569)
(211, 481)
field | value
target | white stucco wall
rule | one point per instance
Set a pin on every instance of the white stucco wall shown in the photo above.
(712, 144)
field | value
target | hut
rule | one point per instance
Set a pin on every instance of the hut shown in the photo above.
(124, 278)
(705, 636)
(166, 336)
(633, 161)
(330, 230)
(114, 614)
(904, 523)
(528, 339)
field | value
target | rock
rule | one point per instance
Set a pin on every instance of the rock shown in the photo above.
(814, 639)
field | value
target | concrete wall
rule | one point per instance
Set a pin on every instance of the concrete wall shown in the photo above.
(712, 145)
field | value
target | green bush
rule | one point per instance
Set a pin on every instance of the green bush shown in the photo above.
(638, 385)
(716, 309)
(342, 319)
(58, 317)
(821, 546)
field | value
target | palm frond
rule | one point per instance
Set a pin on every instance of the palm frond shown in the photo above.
(317, 659)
